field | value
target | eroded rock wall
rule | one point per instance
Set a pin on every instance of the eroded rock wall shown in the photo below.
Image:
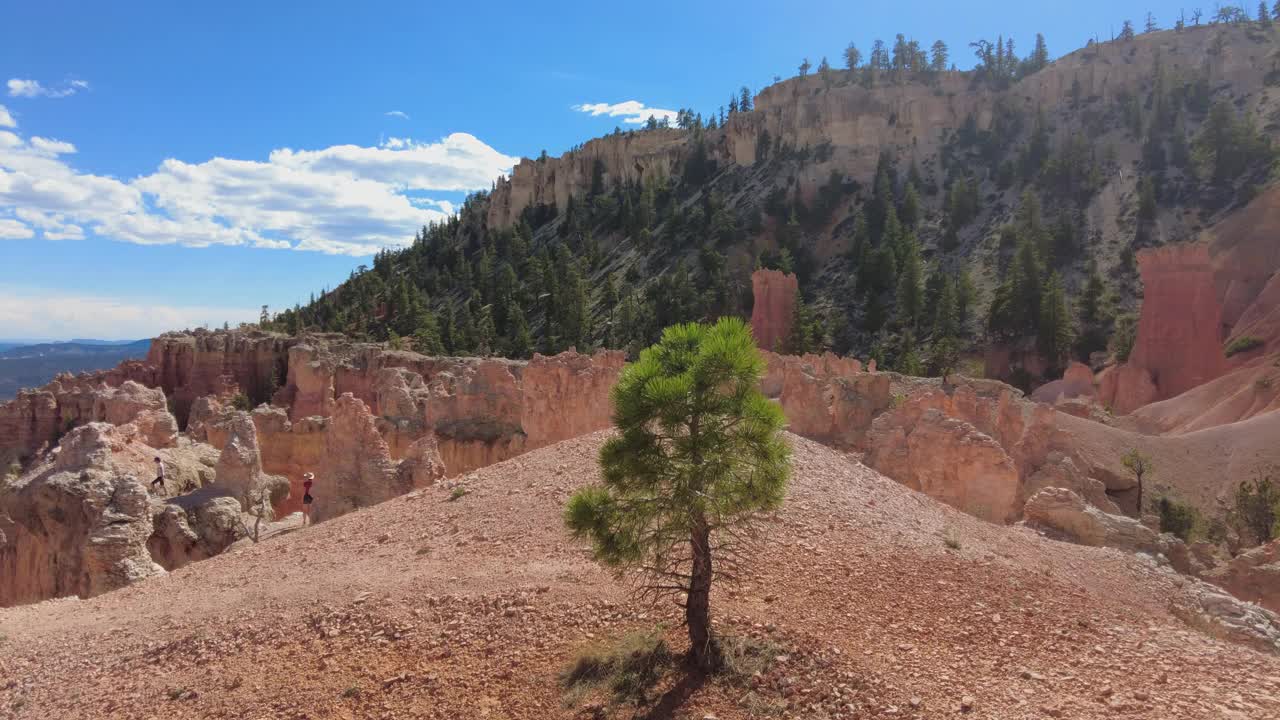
(190, 365)
(826, 397)
(35, 419)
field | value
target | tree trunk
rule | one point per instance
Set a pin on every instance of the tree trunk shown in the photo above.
(697, 611)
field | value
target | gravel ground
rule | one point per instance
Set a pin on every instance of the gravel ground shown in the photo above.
(885, 603)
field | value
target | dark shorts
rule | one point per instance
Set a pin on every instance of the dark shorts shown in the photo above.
(306, 499)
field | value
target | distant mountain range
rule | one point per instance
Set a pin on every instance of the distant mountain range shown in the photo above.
(33, 365)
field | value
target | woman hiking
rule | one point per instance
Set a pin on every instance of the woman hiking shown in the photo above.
(307, 480)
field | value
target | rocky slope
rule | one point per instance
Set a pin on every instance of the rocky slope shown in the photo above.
(883, 602)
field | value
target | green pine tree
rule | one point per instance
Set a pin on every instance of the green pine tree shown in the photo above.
(1054, 334)
(519, 343)
(698, 455)
(910, 298)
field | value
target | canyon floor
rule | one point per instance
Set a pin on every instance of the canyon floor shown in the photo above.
(883, 602)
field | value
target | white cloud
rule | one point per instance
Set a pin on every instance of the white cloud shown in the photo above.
(40, 313)
(398, 114)
(443, 205)
(32, 88)
(343, 199)
(46, 146)
(52, 226)
(6, 120)
(14, 230)
(633, 112)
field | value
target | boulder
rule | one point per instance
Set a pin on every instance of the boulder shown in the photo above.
(948, 459)
(422, 465)
(194, 527)
(1076, 382)
(1216, 613)
(1253, 575)
(1061, 471)
(1065, 513)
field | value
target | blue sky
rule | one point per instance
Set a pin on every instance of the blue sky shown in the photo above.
(164, 165)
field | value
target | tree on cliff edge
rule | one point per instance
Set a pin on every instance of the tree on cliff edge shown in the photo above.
(697, 456)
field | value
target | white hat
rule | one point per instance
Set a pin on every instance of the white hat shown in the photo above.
(308, 476)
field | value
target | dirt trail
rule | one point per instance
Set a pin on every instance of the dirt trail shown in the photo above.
(424, 607)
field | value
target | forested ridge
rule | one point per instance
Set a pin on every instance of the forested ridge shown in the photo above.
(997, 239)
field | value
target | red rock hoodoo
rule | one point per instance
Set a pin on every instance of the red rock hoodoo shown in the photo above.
(775, 301)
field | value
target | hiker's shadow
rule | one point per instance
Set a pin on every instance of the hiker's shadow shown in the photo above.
(673, 699)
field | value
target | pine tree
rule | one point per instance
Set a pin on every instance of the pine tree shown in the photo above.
(804, 67)
(1126, 31)
(965, 296)
(852, 57)
(939, 55)
(1094, 318)
(798, 340)
(744, 103)
(1054, 334)
(426, 337)
(910, 298)
(464, 331)
(1151, 25)
(1039, 59)
(519, 343)
(698, 455)
(486, 332)
(910, 206)
(879, 56)
(947, 316)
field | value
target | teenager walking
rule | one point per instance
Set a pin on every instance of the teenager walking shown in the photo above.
(159, 475)
(307, 480)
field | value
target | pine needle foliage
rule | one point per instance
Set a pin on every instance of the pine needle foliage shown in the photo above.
(698, 455)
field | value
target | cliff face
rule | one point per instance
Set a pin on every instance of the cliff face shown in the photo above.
(912, 119)
(626, 157)
(191, 365)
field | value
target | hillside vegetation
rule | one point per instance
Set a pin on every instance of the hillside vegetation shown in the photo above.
(926, 211)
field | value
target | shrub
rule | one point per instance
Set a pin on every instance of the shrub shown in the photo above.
(628, 668)
(458, 493)
(241, 402)
(1244, 343)
(1257, 509)
(743, 657)
(1177, 518)
(1123, 337)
